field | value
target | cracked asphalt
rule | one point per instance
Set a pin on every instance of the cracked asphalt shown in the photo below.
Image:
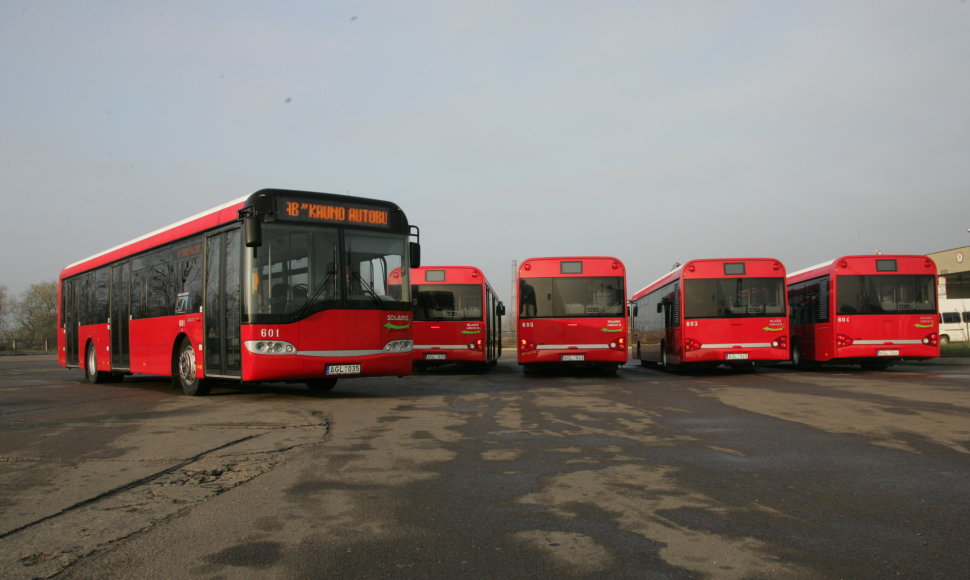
(822, 474)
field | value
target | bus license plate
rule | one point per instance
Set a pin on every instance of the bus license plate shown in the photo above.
(736, 356)
(573, 357)
(893, 352)
(435, 356)
(343, 369)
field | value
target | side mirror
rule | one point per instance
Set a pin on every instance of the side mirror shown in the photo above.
(415, 255)
(500, 309)
(252, 231)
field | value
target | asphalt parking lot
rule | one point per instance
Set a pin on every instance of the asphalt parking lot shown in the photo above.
(830, 473)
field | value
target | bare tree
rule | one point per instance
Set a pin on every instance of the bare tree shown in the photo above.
(5, 309)
(36, 314)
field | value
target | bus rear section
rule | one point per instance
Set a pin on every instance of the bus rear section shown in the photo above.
(457, 318)
(872, 310)
(713, 312)
(572, 311)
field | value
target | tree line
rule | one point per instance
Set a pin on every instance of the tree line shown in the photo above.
(29, 322)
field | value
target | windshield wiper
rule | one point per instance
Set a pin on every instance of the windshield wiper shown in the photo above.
(316, 294)
(369, 289)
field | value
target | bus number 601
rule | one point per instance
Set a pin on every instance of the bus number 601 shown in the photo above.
(269, 333)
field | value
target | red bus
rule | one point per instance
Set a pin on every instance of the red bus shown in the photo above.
(457, 317)
(279, 285)
(872, 310)
(572, 311)
(713, 312)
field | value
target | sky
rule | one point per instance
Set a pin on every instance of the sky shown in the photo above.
(652, 131)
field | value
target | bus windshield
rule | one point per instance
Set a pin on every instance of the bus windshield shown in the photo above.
(886, 293)
(299, 270)
(734, 297)
(574, 297)
(436, 302)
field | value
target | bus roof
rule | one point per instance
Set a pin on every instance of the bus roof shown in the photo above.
(832, 265)
(689, 266)
(453, 275)
(543, 265)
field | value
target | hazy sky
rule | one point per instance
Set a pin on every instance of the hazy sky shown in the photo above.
(655, 132)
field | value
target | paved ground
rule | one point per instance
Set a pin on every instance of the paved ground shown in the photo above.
(826, 474)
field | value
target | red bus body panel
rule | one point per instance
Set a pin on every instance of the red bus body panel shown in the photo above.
(352, 341)
(153, 340)
(721, 339)
(873, 336)
(563, 340)
(451, 340)
(589, 337)
(716, 340)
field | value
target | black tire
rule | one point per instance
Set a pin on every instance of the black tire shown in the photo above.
(321, 385)
(944, 340)
(796, 356)
(91, 373)
(643, 363)
(183, 371)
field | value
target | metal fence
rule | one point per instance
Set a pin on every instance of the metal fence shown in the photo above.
(14, 344)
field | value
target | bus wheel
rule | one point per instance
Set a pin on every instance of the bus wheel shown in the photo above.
(944, 340)
(91, 373)
(321, 385)
(663, 357)
(184, 374)
(796, 355)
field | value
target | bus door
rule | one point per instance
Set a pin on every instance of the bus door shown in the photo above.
(70, 321)
(119, 316)
(222, 305)
(670, 306)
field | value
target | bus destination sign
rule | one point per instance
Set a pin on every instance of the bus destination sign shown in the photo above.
(354, 215)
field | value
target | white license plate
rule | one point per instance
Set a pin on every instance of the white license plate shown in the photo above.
(435, 356)
(736, 356)
(573, 357)
(343, 369)
(892, 352)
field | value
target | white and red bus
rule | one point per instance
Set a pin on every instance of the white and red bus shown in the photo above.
(873, 310)
(713, 312)
(279, 285)
(572, 311)
(457, 317)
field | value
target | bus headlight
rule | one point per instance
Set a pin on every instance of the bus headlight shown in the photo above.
(270, 347)
(399, 346)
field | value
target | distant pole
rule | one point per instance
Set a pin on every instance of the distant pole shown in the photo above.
(515, 273)
(513, 305)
